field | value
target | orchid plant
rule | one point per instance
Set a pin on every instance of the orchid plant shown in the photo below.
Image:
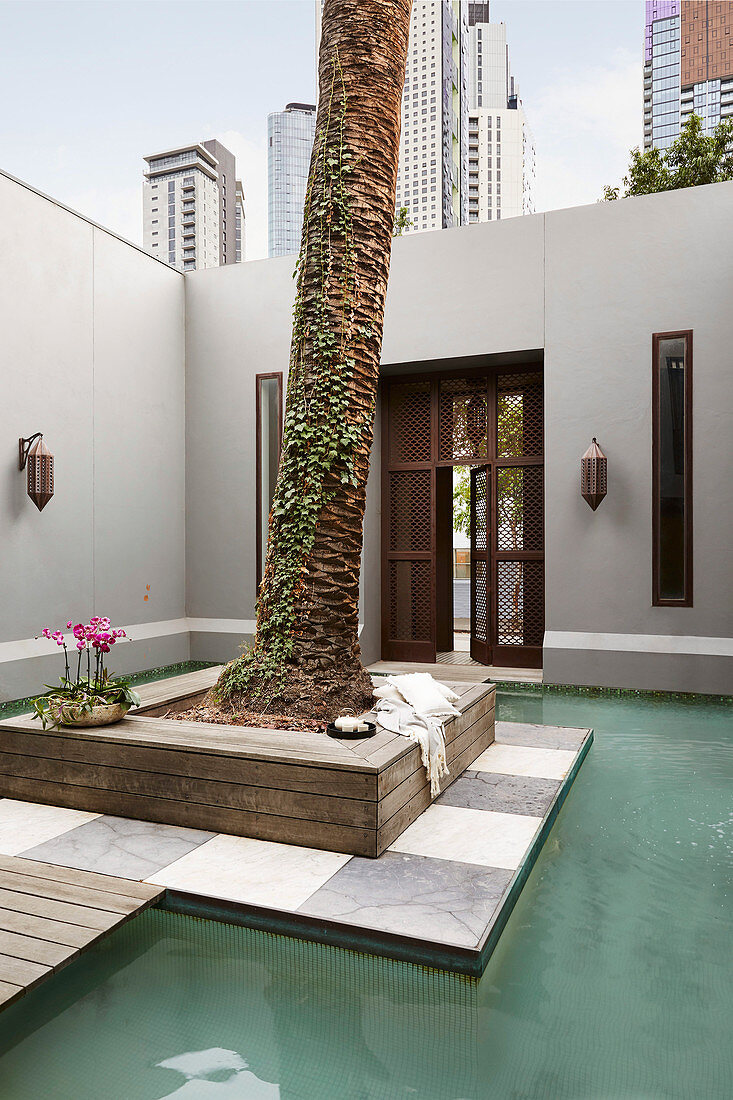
(92, 685)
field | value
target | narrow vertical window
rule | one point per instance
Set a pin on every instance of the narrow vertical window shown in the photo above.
(269, 438)
(672, 469)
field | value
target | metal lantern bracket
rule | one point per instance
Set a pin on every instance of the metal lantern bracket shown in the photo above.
(593, 475)
(35, 457)
(24, 446)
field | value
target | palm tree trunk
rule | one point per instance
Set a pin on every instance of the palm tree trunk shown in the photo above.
(306, 657)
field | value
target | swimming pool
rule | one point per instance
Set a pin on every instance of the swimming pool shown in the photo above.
(612, 979)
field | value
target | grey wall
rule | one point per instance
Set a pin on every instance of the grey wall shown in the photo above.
(616, 273)
(92, 356)
(589, 285)
(238, 326)
(472, 291)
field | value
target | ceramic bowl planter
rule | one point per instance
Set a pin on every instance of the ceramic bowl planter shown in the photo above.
(87, 694)
(103, 714)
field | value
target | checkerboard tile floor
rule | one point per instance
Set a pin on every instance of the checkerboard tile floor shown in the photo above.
(444, 880)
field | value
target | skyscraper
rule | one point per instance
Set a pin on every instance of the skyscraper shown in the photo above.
(466, 149)
(501, 154)
(193, 207)
(290, 136)
(239, 224)
(688, 66)
(432, 181)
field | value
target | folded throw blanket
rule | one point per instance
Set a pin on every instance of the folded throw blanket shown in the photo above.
(416, 706)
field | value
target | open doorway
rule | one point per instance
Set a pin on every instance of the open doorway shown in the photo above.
(455, 517)
(462, 463)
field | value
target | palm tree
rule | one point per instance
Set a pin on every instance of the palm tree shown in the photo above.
(306, 658)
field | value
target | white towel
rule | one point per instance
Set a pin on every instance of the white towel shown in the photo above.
(415, 706)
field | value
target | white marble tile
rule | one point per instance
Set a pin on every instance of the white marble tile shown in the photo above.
(25, 824)
(258, 872)
(483, 837)
(521, 760)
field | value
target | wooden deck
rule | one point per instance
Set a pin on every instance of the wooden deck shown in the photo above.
(295, 788)
(49, 914)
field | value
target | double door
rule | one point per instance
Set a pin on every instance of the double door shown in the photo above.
(493, 424)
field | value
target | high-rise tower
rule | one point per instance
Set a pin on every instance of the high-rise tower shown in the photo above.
(432, 182)
(501, 153)
(289, 143)
(688, 66)
(192, 203)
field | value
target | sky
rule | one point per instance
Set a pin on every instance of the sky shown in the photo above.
(88, 88)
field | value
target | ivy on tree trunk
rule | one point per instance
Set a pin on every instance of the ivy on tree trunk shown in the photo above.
(306, 658)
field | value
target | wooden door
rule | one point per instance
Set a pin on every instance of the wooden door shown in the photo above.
(408, 523)
(481, 564)
(518, 546)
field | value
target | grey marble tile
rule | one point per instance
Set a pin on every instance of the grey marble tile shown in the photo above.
(511, 794)
(119, 846)
(431, 899)
(539, 737)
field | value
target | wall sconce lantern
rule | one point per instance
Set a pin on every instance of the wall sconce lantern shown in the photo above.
(33, 453)
(593, 475)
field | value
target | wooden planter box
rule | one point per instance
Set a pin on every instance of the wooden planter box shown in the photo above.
(296, 788)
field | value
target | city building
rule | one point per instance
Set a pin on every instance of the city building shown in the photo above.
(501, 151)
(193, 207)
(466, 149)
(688, 66)
(432, 181)
(240, 237)
(290, 136)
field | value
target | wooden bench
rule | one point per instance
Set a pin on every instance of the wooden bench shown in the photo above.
(296, 788)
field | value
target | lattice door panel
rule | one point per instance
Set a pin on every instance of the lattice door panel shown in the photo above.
(480, 563)
(410, 422)
(409, 518)
(520, 603)
(463, 416)
(519, 415)
(519, 508)
(410, 605)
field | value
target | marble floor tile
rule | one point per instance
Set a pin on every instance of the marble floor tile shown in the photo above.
(433, 899)
(120, 846)
(257, 872)
(512, 794)
(469, 836)
(521, 760)
(539, 737)
(23, 824)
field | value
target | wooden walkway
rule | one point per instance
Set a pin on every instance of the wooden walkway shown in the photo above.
(49, 915)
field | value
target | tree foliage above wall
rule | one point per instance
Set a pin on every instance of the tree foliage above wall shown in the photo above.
(695, 158)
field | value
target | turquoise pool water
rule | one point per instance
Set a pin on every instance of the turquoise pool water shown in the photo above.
(613, 979)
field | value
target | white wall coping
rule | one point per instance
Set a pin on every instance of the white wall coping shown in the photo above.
(30, 648)
(640, 643)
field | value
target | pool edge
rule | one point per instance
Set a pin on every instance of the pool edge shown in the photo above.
(468, 961)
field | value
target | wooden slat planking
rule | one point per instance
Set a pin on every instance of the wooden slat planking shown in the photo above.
(176, 688)
(49, 914)
(296, 788)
